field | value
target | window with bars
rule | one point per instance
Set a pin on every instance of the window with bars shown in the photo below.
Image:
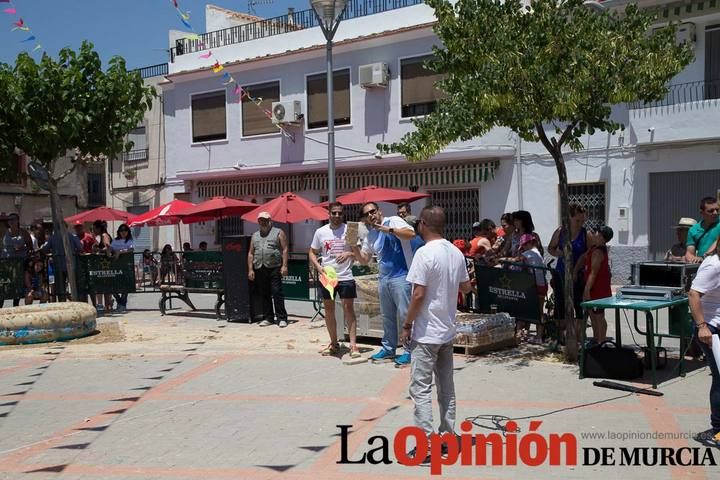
(96, 188)
(592, 197)
(227, 226)
(208, 117)
(317, 99)
(12, 169)
(462, 209)
(417, 84)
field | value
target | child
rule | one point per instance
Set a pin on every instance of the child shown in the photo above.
(150, 265)
(35, 287)
(531, 256)
(597, 279)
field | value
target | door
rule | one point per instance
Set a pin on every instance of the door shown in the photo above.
(712, 62)
(674, 195)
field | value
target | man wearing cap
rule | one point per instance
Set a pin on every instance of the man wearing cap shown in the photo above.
(677, 252)
(267, 264)
(702, 237)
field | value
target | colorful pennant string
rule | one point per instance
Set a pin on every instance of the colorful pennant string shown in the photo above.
(227, 78)
(20, 24)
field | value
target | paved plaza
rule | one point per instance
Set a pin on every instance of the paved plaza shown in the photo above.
(187, 397)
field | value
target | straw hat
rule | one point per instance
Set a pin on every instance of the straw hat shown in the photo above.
(685, 223)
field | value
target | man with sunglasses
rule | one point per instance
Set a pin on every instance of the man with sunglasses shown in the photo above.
(389, 239)
(703, 236)
(329, 243)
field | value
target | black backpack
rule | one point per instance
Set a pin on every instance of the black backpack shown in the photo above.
(607, 360)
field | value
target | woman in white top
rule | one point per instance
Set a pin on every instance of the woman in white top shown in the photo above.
(704, 300)
(123, 243)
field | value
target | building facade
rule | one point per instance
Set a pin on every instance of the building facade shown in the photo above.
(136, 178)
(639, 181)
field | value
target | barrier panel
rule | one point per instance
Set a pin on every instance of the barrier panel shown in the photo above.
(102, 274)
(12, 276)
(203, 269)
(296, 285)
(511, 291)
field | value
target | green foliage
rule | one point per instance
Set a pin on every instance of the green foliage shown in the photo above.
(558, 66)
(70, 103)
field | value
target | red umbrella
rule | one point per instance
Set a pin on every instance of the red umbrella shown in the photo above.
(163, 215)
(371, 193)
(217, 207)
(288, 208)
(101, 213)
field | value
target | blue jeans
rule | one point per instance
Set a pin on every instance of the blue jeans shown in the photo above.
(394, 301)
(715, 385)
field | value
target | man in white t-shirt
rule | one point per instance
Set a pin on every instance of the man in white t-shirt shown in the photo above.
(329, 243)
(437, 273)
(704, 299)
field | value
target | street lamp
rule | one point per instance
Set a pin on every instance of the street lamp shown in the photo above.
(328, 13)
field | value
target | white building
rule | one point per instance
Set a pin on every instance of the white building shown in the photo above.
(639, 181)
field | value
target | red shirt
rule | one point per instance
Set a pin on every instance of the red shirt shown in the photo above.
(601, 287)
(87, 241)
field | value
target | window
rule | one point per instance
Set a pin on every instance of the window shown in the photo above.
(138, 137)
(592, 197)
(11, 170)
(712, 62)
(317, 110)
(417, 83)
(462, 208)
(255, 120)
(208, 117)
(96, 188)
(227, 226)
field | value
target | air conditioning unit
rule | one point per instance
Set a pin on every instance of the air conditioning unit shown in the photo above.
(287, 112)
(686, 34)
(374, 75)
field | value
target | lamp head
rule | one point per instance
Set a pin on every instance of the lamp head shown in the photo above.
(328, 11)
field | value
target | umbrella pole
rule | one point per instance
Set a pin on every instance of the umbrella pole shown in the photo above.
(179, 235)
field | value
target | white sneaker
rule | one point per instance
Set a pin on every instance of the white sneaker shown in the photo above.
(282, 324)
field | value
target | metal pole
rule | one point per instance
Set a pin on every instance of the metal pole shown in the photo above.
(331, 123)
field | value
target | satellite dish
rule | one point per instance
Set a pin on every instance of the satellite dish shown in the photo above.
(279, 112)
(39, 175)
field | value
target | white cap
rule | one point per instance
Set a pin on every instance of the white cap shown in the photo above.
(264, 215)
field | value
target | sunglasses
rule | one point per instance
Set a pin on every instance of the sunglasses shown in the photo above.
(124, 230)
(337, 214)
(370, 212)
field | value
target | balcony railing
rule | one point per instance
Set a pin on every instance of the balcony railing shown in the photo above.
(134, 156)
(278, 25)
(685, 93)
(153, 70)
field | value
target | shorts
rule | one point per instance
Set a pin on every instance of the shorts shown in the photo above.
(344, 289)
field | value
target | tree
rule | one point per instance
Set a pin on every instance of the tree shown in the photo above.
(549, 72)
(54, 107)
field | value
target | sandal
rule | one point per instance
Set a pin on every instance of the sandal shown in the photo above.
(355, 353)
(331, 349)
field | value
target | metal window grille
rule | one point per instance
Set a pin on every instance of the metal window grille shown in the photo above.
(592, 197)
(462, 209)
(227, 226)
(96, 188)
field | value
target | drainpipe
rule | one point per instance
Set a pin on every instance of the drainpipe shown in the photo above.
(518, 170)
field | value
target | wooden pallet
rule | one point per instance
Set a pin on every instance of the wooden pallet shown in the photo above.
(490, 347)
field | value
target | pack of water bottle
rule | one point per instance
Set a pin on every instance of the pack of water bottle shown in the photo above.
(482, 329)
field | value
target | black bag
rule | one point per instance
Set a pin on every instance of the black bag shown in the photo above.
(607, 360)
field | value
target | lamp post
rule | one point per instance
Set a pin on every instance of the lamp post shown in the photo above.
(328, 13)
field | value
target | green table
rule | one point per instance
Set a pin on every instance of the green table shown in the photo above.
(677, 309)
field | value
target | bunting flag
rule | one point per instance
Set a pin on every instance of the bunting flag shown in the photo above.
(29, 39)
(37, 47)
(19, 23)
(10, 11)
(227, 78)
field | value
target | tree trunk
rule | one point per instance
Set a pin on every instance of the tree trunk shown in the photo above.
(61, 229)
(571, 334)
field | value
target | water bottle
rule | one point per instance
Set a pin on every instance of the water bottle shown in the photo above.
(51, 274)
